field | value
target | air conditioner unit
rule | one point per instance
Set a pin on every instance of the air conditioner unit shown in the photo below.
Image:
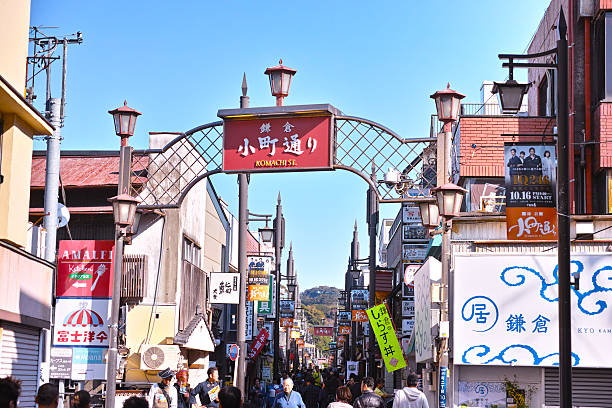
(159, 357)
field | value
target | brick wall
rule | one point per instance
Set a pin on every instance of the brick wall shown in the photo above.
(602, 126)
(486, 159)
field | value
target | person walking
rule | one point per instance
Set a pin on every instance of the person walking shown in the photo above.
(311, 393)
(343, 398)
(368, 398)
(354, 386)
(410, 396)
(183, 390)
(161, 394)
(257, 394)
(208, 390)
(47, 396)
(289, 398)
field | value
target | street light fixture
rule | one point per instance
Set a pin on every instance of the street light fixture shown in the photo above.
(124, 209)
(510, 94)
(447, 104)
(125, 121)
(430, 215)
(280, 80)
(267, 235)
(449, 198)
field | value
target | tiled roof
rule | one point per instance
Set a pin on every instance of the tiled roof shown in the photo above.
(87, 169)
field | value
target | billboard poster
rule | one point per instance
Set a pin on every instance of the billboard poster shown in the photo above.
(258, 278)
(531, 179)
(323, 331)
(265, 307)
(224, 288)
(390, 349)
(359, 299)
(507, 310)
(287, 143)
(81, 322)
(85, 269)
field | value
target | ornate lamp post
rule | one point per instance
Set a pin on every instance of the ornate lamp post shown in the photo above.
(124, 214)
(280, 81)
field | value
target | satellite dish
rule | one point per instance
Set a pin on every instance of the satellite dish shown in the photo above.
(63, 215)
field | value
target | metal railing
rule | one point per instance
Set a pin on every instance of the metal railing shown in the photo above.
(134, 277)
(477, 109)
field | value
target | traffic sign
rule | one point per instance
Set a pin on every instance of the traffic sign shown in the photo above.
(233, 352)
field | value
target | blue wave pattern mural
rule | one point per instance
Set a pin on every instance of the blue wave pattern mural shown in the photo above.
(481, 354)
(601, 280)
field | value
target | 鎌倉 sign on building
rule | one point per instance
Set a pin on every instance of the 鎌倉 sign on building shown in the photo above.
(278, 139)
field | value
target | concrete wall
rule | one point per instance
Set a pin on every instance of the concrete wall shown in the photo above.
(14, 41)
(215, 238)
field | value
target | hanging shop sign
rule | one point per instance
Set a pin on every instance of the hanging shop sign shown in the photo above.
(278, 139)
(382, 324)
(359, 316)
(359, 299)
(407, 308)
(411, 215)
(295, 334)
(85, 269)
(414, 252)
(81, 322)
(250, 309)
(344, 316)
(323, 331)
(531, 176)
(266, 308)
(258, 278)
(258, 344)
(506, 310)
(409, 272)
(60, 363)
(300, 343)
(344, 330)
(414, 233)
(380, 296)
(287, 308)
(423, 341)
(407, 327)
(286, 322)
(224, 288)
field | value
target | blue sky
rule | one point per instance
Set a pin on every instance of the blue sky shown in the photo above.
(179, 62)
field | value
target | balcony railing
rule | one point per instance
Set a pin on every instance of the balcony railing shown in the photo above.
(477, 109)
(193, 293)
(134, 277)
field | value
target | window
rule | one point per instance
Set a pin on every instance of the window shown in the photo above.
(601, 63)
(191, 252)
(547, 94)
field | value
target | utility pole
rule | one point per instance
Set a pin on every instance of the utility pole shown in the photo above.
(372, 218)
(290, 275)
(279, 228)
(243, 225)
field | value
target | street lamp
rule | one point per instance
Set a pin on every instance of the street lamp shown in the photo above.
(430, 215)
(447, 104)
(267, 235)
(449, 198)
(280, 80)
(124, 209)
(125, 121)
(510, 94)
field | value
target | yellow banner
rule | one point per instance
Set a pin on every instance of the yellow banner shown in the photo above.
(295, 334)
(381, 323)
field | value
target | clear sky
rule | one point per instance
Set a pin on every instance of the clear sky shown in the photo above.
(179, 62)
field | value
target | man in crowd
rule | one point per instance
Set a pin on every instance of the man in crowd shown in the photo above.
(410, 396)
(289, 398)
(182, 389)
(10, 388)
(368, 398)
(208, 390)
(135, 402)
(311, 393)
(354, 387)
(161, 394)
(47, 396)
(230, 397)
(81, 399)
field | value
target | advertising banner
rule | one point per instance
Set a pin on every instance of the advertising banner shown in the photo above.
(382, 324)
(531, 178)
(224, 288)
(258, 344)
(85, 269)
(323, 331)
(359, 299)
(258, 278)
(344, 316)
(81, 322)
(359, 316)
(506, 310)
(285, 143)
(266, 308)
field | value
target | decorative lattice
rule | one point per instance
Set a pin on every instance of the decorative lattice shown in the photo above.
(361, 146)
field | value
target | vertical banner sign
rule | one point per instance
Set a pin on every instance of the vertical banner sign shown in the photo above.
(531, 178)
(259, 277)
(265, 307)
(258, 344)
(287, 310)
(443, 378)
(224, 288)
(85, 269)
(381, 323)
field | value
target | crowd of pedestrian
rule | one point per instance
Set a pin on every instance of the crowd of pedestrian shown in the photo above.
(308, 389)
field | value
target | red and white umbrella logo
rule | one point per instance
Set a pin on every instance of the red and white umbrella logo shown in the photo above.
(83, 317)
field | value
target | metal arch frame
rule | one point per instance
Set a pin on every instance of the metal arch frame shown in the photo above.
(374, 184)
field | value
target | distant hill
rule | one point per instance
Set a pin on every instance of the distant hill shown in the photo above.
(320, 308)
(327, 295)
